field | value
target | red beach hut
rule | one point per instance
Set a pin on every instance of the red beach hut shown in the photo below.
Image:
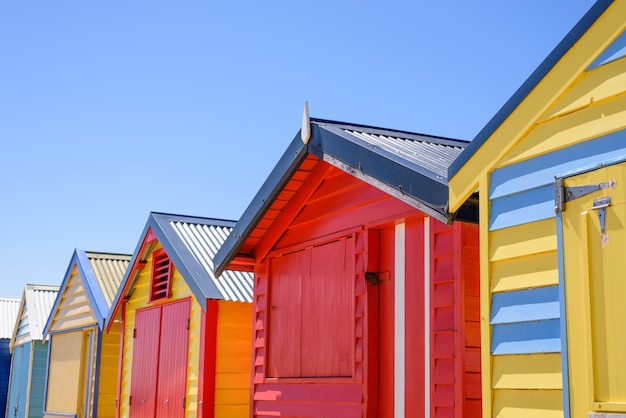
(365, 293)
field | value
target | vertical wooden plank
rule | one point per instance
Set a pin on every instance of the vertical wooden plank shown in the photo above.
(399, 319)
(285, 314)
(145, 362)
(372, 317)
(328, 311)
(385, 339)
(172, 365)
(415, 344)
(206, 374)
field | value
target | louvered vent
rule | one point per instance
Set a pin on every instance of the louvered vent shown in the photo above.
(161, 276)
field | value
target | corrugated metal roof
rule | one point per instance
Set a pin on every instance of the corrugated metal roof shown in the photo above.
(8, 314)
(191, 243)
(433, 156)
(36, 307)
(203, 241)
(109, 270)
(100, 274)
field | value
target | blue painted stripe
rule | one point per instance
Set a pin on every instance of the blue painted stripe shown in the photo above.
(525, 305)
(563, 322)
(526, 337)
(530, 206)
(540, 171)
(615, 51)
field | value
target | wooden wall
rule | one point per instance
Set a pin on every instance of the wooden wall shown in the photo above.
(524, 338)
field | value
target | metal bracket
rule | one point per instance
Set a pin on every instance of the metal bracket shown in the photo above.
(373, 278)
(600, 204)
(564, 194)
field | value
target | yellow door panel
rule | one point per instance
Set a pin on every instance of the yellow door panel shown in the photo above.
(594, 257)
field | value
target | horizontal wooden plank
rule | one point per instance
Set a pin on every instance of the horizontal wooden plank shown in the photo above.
(314, 392)
(535, 270)
(306, 409)
(541, 169)
(232, 410)
(232, 397)
(522, 208)
(568, 134)
(527, 371)
(616, 50)
(526, 338)
(523, 240)
(595, 86)
(527, 404)
(525, 305)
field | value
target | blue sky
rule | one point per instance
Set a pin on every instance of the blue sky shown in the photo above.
(112, 109)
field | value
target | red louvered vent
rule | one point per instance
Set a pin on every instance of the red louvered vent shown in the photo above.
(161, 276)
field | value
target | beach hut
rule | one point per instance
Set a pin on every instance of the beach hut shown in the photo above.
(550, 169)
(365, 297)
(185, 341)
(82, 360)
(30, 352)
(8, 313)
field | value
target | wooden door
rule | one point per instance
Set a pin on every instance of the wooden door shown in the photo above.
(172, 368)
(159, 370)
(145, 362)
(593, 254)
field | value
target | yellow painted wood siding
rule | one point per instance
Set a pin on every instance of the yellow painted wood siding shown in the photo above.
(232, 378)
(74, 309)
(107, 385)
(138, 300)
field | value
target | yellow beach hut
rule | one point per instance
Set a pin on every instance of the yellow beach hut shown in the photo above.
(82, 360)
(186, 336)
(550, 168)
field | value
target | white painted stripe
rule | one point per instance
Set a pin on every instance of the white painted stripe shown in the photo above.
(399, 320)
(426, 316)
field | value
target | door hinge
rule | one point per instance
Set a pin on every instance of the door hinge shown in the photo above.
(130, 400)
(600, 204)
(188, 324)
(134, 332)
(184, 402)
(564, 194)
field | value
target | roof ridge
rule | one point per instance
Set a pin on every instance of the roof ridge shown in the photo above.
(389, 130)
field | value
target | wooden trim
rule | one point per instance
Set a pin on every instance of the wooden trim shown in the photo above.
(371, 319)
(207, 366)
(399, 320)
(120, 363)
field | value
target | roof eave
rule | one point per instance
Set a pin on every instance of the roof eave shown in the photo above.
(289, 162)
(520, 94)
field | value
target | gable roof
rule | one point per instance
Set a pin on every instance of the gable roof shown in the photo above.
(409, 166)
(8, 313)
(191, 243)
(101, 274)
(530, 84)
(34, 309)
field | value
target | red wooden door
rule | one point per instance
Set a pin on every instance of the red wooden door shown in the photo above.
(311, 331)
(159, 370)
(172, 374)
(145, 363)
